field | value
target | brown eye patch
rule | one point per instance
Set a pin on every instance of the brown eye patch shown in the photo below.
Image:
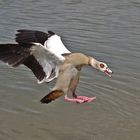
(102, 65)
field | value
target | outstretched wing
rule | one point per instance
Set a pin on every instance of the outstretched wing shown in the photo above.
(48, 60)
(48, 41)
(28, 36)
(14, 54)
(41, 61)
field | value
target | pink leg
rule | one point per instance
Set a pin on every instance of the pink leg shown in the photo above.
(80, 99)
(74, 100)
(86, 99)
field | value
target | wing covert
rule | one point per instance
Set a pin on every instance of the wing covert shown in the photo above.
(30, 36)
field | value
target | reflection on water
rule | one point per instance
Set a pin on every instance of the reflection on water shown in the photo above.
(108, 30)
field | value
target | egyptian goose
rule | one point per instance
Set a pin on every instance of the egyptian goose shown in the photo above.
(48, 58)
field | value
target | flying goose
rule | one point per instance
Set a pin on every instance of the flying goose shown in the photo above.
(48, 58)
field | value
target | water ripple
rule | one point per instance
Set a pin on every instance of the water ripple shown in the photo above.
(108, 30)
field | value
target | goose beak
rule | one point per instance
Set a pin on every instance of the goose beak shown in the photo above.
(108, 72)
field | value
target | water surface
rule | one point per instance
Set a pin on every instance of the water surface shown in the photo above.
(108, 30)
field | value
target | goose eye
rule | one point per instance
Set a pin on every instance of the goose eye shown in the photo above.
(102, 65)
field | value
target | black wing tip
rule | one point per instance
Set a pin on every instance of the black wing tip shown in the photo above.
(50, 33)
(27, 35)
(24, 30)
(14, 54)
(32, 63)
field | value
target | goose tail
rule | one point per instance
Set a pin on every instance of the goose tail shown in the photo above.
(52, 96)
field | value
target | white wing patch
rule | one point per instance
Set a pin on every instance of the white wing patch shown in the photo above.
(46, 59)
(50, 56)
(55, 45)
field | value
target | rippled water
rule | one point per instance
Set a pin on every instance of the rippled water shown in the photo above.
(108, 30)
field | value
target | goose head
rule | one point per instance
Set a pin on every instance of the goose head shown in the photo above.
(104, 68)
(101, 66)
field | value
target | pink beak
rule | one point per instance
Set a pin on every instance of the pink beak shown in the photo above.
(108, 72)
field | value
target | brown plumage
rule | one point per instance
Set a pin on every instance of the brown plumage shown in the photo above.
(52, 96)
(48, 58)
(69, 73)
